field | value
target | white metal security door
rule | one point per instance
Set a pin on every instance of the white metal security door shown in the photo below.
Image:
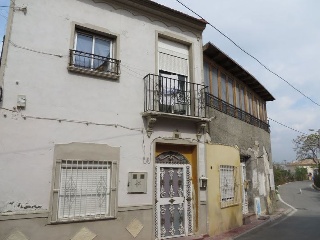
(173, 210)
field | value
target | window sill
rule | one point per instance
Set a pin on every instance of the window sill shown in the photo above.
(95, 73)
(229, 205)
(82, 220)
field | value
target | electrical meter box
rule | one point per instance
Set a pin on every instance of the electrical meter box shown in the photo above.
(137, 182)
(21, 101)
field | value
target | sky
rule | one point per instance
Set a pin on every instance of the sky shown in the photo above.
(285, 36)
(3, 18)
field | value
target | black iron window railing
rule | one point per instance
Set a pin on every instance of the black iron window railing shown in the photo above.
(222, 106)
(173, 95)
(92, 62)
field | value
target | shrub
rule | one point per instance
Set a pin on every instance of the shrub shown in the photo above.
(316, 178)
(301, 174)
(282, 176)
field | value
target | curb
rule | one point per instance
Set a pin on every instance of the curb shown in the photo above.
(272, 219)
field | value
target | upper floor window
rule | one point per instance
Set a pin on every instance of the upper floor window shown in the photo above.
(240, 103)
(264, 111)
(206, 70)
(211, 78)
(223, 79)
(94, 54)
(232, 91)
(214, 81)
(258, 108)
(173, 57)
(173, 68)
(250, 103)
(91, 50)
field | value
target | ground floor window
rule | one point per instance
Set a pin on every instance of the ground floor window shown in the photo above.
(228, 185)
(84, 190)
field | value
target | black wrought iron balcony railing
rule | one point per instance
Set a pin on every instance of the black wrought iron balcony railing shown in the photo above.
(174, 96)
(94, 63)
(222, 106)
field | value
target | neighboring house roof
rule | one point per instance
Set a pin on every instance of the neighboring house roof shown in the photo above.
(214, 53)
(158, 10)
(304, 162)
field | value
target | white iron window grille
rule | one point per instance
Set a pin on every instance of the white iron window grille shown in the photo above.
(85, 190)
(228, 185)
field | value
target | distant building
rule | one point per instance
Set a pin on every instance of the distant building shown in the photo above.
(308, 163)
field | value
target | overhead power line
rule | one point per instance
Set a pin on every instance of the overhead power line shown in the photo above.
(250, 55)
(286, 126)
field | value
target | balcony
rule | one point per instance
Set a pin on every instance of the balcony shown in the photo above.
(173, 98)
(87, 63)
(222, 106)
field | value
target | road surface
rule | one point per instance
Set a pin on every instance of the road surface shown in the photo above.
(302, 223)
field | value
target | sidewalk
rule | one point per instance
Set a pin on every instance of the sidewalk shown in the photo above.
(281, 211)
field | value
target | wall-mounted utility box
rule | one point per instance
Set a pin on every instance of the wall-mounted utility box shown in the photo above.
(21, 101)
(137, 182)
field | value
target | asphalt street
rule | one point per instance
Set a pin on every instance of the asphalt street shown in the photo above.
(302, 223)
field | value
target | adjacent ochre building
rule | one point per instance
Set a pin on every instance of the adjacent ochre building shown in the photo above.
(110, 128)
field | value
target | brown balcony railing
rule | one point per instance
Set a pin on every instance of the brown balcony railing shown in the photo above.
(92, 62)
(164, 94)
(222, 106)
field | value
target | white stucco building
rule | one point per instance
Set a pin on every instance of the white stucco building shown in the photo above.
(96, 96)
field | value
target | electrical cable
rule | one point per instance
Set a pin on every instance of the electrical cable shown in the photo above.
(286, 126)
(36, 51)
(73, 121)
(250, 55)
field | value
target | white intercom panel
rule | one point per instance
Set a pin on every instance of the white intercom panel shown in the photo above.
(137, 182)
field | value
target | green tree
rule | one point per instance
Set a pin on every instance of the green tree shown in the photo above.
(307, 146)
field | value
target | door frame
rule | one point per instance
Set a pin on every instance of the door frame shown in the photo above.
(244, 195)
(190, 150)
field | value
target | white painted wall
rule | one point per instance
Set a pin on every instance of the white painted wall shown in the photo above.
(26, 145)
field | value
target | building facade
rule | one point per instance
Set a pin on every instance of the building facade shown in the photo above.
(111, 126)
(237, 103)
(102, 120)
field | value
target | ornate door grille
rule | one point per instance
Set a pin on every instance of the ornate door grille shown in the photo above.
(173, 211)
